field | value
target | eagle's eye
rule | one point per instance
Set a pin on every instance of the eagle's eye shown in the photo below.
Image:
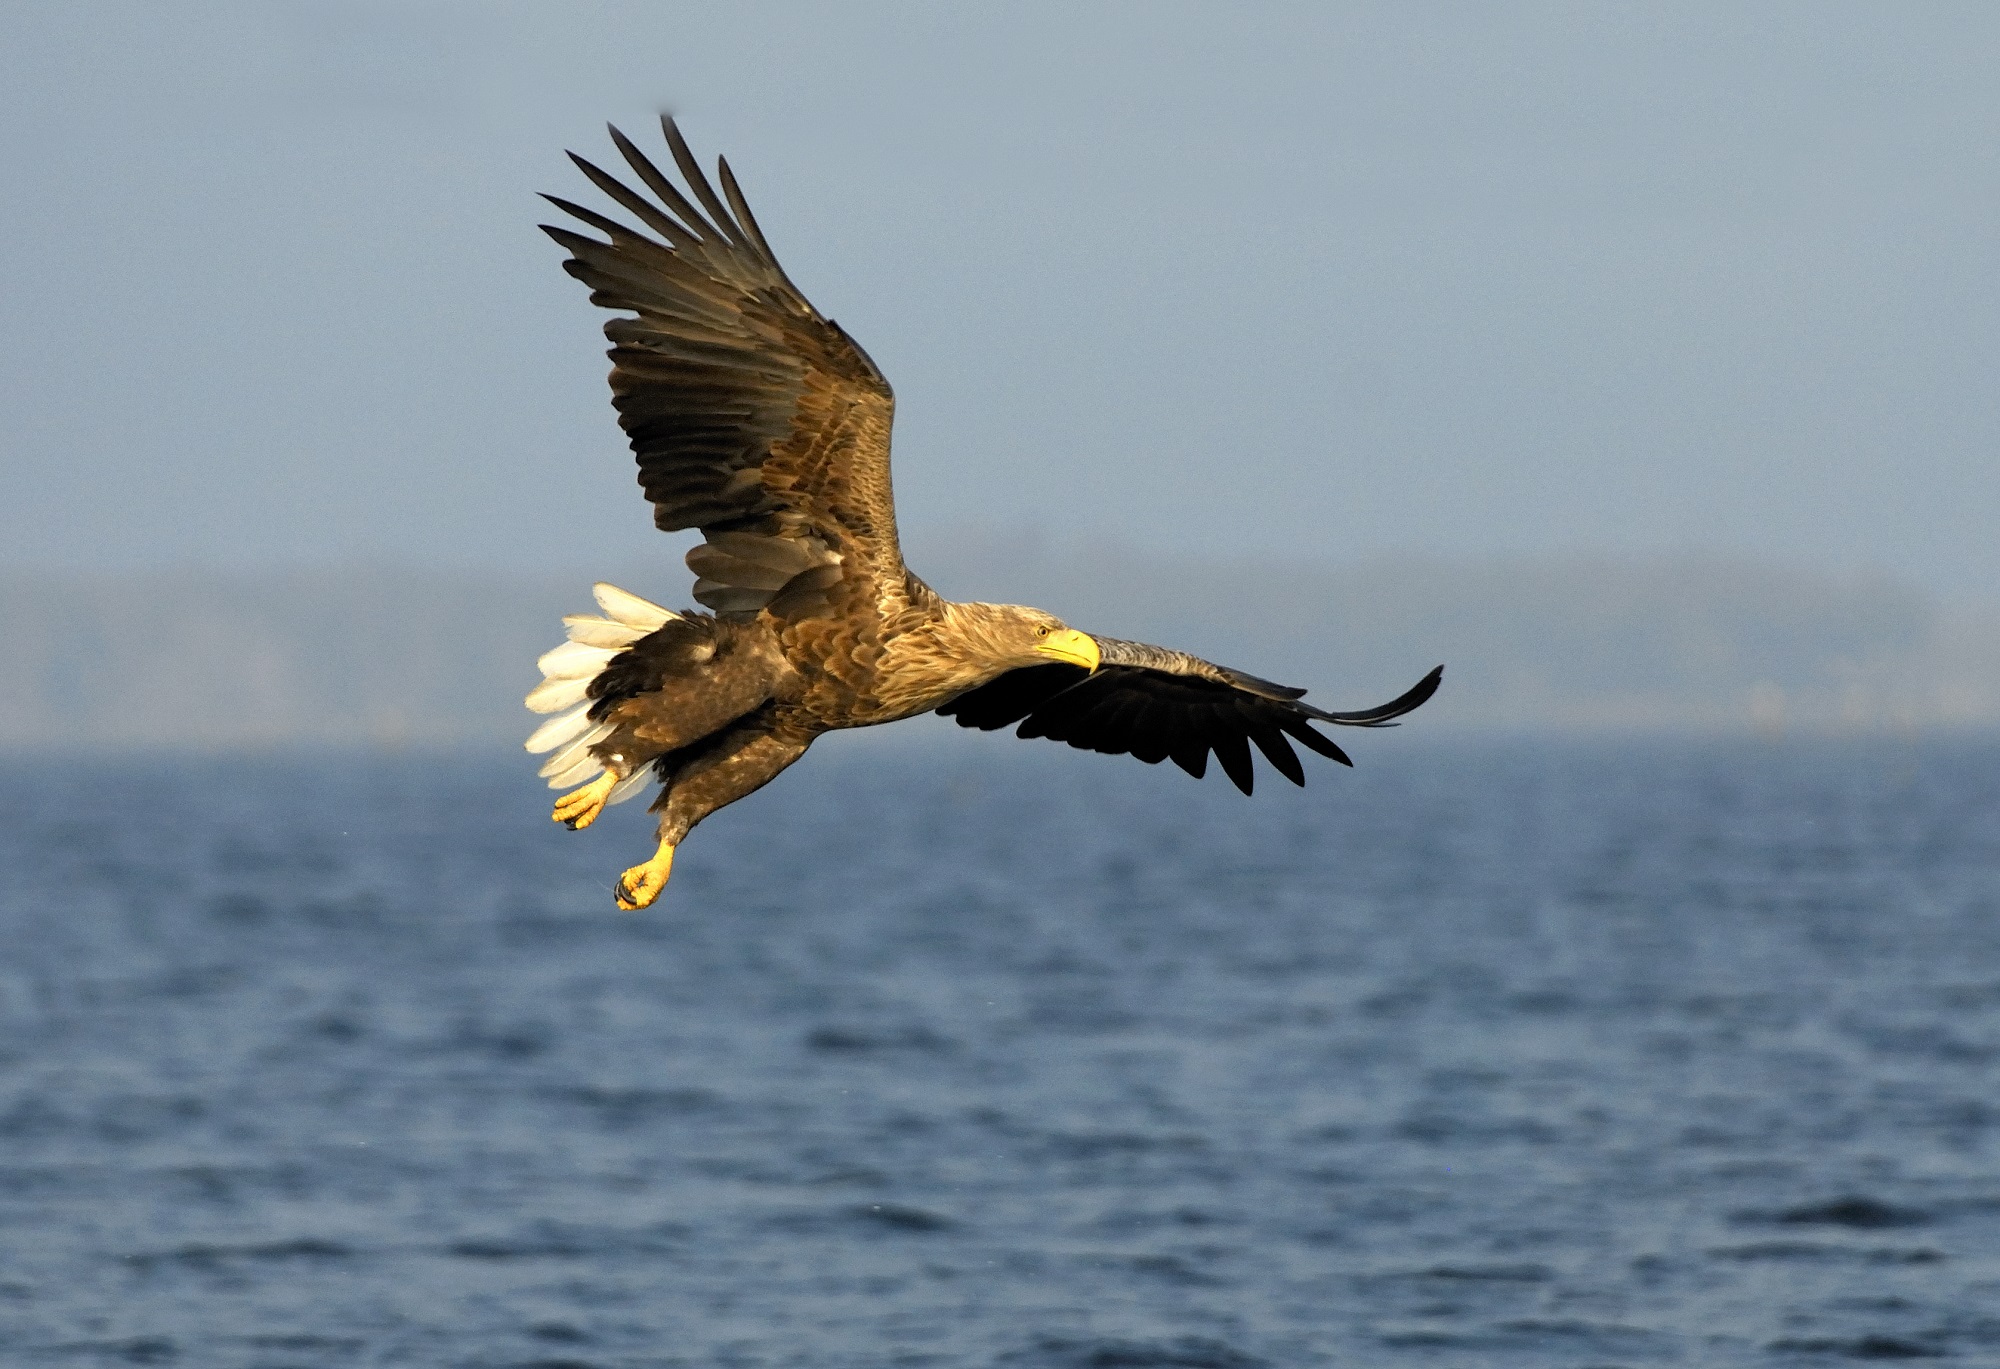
(1042, 631)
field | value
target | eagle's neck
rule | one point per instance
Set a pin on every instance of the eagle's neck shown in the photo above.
(986, 640)
(959, 647)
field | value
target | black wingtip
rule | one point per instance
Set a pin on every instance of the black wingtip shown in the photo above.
(1408, 702)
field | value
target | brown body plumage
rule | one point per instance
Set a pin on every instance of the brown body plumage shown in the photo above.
(761, 423)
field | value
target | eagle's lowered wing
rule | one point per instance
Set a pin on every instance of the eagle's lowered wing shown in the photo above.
(1158, 704)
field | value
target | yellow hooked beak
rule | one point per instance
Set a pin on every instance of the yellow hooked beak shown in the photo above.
(1071, 648)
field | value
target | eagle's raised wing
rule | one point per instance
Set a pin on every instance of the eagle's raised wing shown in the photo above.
(1159, 704)
(754, 418)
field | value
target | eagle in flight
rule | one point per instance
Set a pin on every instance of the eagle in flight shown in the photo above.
(758, 421)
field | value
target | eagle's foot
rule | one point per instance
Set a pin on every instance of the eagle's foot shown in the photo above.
(640, 885)
(579, 808)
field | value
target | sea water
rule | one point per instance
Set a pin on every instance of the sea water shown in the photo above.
(979, 1052)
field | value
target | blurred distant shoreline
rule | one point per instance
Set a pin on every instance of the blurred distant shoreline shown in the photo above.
(403, 657)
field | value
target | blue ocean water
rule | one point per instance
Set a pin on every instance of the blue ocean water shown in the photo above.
(977, 1052)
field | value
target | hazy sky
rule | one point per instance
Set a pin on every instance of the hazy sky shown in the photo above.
(1319, 280)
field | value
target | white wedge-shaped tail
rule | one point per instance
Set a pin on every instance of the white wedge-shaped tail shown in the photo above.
(568, 671)
(575, 661)
(588, 768)
(628, 607)
(594, 631)
(551, 696)
(558, 731)
(578, 750)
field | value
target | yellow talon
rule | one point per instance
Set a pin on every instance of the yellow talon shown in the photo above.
(640, 885)
(579, 807)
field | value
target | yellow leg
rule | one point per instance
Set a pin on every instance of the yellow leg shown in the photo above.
(640, 885)
(579, 808)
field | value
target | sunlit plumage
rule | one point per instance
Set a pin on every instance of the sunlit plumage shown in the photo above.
(761, 423)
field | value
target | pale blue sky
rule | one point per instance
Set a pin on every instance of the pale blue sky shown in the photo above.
(1319, 280)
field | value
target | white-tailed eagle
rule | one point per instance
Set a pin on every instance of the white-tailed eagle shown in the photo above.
(758, 421)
